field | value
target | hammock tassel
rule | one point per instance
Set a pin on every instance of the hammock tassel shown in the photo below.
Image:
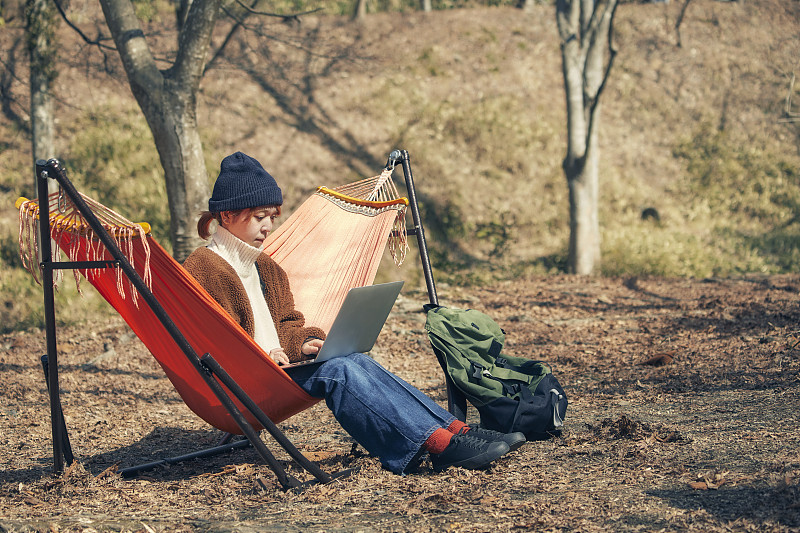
(72, 234)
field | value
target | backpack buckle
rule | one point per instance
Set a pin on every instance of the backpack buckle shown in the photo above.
(478, 370)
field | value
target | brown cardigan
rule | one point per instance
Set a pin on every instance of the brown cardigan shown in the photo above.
(219, 278)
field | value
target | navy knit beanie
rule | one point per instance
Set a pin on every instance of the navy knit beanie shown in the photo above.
(243, 183)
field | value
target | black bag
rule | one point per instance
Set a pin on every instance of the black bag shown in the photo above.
(510, 393)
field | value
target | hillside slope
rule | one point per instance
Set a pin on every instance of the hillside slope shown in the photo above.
(476, 97)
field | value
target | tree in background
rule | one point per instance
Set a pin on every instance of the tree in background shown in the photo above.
(168, 96)
(585, 28)
(41, 22)
(359, 9)
(10, 107)
(168, 100)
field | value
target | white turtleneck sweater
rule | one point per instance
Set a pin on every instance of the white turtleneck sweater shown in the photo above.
(242, 257)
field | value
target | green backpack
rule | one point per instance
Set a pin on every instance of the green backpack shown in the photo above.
(510, 393)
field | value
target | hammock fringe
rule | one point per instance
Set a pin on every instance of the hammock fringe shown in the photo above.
(69, 231)
(370, 197)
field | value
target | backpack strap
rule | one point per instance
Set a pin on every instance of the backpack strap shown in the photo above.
(511, 387)
(502, 362)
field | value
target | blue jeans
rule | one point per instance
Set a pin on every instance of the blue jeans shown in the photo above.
(383, 413)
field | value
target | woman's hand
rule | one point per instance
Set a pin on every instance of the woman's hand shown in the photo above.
(311, 347)
(279, 356)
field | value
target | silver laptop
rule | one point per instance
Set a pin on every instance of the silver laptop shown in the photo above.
(358, 323)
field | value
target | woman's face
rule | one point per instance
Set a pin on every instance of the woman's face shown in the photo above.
(251, 226)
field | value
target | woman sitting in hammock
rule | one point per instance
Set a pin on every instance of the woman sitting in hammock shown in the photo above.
(383, 413)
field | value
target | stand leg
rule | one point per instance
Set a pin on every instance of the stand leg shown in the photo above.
(58, 417)
(220, 373)
(456, 402)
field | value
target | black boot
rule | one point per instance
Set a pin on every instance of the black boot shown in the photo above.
(468, 452)
(514, 440)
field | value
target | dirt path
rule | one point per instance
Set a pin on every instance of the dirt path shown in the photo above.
(708, 441)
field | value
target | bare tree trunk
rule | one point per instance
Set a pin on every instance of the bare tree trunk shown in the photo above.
(41, 21)
(584, 226)
(425, 5)
(679, 21)
(585, 31)
(168, 100)
(360, 10)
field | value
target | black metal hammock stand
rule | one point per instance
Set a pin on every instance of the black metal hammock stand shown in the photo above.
(107, 255)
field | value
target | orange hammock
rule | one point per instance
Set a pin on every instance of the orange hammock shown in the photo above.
(333, 242)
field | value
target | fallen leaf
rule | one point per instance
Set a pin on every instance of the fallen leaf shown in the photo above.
(32, 500)
(319, 455)
(659, 360)
(108, 471)
(261, 484)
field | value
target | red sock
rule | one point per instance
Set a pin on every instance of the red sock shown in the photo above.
(457, 427)
(438, 441)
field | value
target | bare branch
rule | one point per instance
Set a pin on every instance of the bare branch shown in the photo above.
(240, 23)
(194, 40)
(286, 18)
(612, 53)
(679, 21)
(8, 76)
(612, 50)
(218, 53)
(96, 42)
(567, 19)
